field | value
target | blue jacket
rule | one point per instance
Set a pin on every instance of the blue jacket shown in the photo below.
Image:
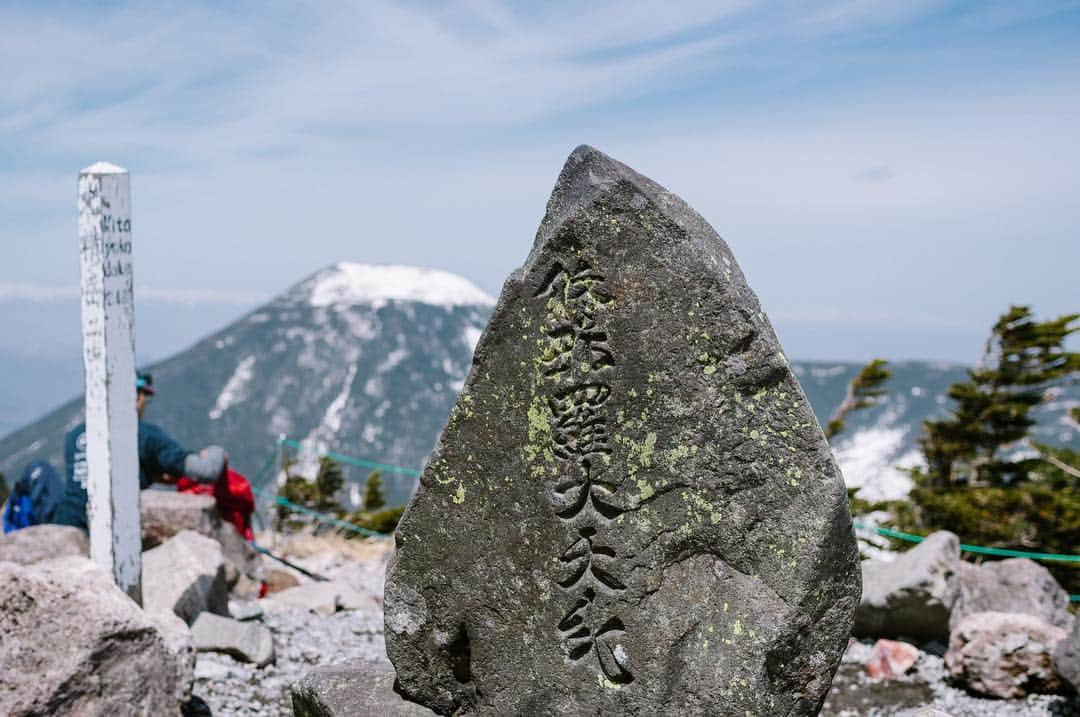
(158, 453)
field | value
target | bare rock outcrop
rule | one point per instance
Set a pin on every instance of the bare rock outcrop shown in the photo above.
(74, 643)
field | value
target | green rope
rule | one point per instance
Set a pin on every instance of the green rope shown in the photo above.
(321, 517)
(359, 462)
(1003, 552)
(981, 549)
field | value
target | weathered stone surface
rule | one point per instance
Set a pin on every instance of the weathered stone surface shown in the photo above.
(74, 643)
(355, 689)
(913, 595)
(1067, 657)
(246, 641)
(279, 580)
(322, 598)
(245, 609)
(1016, 585)
(632, 509)
(164, 513)
(890, 659)
(1004, 655)
(181, 646)
(43, 542)
(185, 574)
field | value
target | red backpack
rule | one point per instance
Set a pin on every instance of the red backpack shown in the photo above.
(232, 492)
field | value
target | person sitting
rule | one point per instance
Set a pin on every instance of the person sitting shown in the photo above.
(160, 456)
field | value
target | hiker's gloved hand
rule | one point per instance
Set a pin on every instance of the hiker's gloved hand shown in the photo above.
(207, 465)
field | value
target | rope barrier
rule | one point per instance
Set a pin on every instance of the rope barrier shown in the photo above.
(321, 517)
(980, 549)
(359, 462)
(1002, 552)
(887, 532)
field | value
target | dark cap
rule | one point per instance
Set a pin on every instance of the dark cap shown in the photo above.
(144, 383)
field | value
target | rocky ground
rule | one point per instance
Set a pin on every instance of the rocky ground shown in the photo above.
(302, 639)
(305, 640)
(854, 694)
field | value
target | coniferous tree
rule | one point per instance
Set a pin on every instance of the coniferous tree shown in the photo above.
(1022, 359)
(328, 481)
(977, 482)
(3, 489)
(862, 392)
(374, 496)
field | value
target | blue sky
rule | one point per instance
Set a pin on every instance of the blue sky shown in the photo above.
(890, 175)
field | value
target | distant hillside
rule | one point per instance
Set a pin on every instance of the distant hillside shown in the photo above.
(367, 361)
(356, 359)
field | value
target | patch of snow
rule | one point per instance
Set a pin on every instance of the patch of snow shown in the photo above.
(916, 391)
(332, 418)
(821, 372)
(350, 284)
(233, 392)
(361, 324)
(870, 462)
(225, 342)
(471, 336)
(392, 359)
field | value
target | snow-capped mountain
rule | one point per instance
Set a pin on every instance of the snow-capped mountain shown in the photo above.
(366, 361)
(361, 360)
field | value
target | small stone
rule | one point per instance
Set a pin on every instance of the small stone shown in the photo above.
(245, 641)
(245, 610)
(890, 659)
(278, 580)
(322, 598)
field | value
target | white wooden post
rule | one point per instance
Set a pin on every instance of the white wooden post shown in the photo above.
(108, 310)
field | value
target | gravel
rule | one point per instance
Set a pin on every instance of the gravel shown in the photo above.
(304, 640)
(854, 694)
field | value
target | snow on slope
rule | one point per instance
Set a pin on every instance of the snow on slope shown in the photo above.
(350, 284)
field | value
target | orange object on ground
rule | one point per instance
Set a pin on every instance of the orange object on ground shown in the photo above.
(232, 493)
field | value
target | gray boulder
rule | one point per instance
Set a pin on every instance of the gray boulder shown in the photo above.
(1016, 585)
(164, 513)
(355, 689)
(74, 643)
(321, 598)
(913, 595)
(1005, 655)
(246, 641)
(632, 509)
(43, 542)
(185, 575)
(1067, 657)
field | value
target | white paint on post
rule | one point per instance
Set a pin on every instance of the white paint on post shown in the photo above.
(108, 310)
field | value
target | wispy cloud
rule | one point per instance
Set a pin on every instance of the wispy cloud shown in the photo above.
(48, 294)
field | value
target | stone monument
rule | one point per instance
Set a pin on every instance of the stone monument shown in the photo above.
(632, 509)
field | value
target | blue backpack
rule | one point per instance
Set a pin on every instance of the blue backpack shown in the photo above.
(34, 497)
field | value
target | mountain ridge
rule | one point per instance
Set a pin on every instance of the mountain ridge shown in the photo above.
(368, 360)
